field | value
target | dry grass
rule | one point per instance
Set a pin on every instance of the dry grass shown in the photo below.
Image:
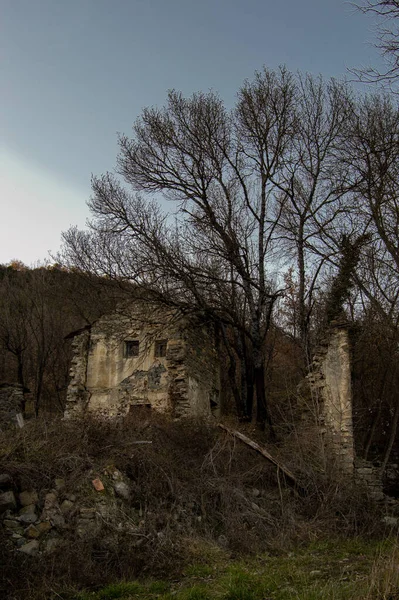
(195, 492)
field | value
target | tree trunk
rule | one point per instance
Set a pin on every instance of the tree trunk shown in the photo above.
(262, 412)
(232, 372)
(249, 380)
(21, 381)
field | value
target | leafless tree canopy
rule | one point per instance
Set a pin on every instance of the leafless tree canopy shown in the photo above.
(244, 216)
(387, 32)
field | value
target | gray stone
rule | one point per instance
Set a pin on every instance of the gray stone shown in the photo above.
(59, 484)
(31, 548)
(10, 524)
(31, 508)
(20, 542)
(122, 490)
(52, 511)
(26, 498)
(391, 521)
(51, 545)
(7, 501)
(87, 528)
(66, 506)
(57, 520)
(50, 500)
(28, 518)
(5, 480)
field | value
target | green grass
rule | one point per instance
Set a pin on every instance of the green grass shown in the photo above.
(351, 569)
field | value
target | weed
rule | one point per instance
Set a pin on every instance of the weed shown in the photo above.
(120, 590)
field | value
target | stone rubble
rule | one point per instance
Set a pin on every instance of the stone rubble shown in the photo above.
(35, 523)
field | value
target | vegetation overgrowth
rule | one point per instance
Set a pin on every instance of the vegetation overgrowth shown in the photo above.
(211, 515)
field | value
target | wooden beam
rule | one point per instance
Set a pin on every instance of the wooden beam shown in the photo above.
(255, 446)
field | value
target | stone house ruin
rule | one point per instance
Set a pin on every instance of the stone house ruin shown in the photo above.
(142, 357)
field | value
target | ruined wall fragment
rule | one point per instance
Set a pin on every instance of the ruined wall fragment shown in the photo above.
(330, 382)
(77, 393)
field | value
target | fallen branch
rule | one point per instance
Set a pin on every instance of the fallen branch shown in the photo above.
(289, 476)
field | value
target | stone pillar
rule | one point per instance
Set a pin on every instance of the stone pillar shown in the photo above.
(331, 379)
(77, 394)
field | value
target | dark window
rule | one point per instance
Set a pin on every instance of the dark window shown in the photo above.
(160, 348)
(131, 348)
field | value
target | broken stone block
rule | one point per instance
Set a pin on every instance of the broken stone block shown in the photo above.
(122, 490)
(57, 520)
(31, 508)
(66, 506)
(28, 518)
(32, 532)
(10, 524)
(31, 548)
(43, 527)
(7, 501)
(50, 501)
(27, 498)
(21, 541)
(51, 545)
(52, 511)
(59, 484)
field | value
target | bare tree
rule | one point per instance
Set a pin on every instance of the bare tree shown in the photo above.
(372, 153)
(314, 202)
(387, 31)
(216, 252)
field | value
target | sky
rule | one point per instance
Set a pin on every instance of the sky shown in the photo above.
(74, 73)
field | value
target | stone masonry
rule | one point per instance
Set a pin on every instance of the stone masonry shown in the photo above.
(330, 381)
(143, 358)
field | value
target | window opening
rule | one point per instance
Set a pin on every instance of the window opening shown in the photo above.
(160, 348)
(131, 348)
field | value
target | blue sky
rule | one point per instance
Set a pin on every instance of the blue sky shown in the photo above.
(76, 72)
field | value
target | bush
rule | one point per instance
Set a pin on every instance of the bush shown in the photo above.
(195, 493)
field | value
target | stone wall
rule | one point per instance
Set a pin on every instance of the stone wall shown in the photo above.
(77, 394)
(11, 403)
(107, 382)
(197, 387)
(330, 382)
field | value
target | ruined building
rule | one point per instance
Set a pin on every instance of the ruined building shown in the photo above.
(141, 357)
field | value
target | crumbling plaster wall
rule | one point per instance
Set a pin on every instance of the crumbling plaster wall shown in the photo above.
(107, 383)
(330, 381)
